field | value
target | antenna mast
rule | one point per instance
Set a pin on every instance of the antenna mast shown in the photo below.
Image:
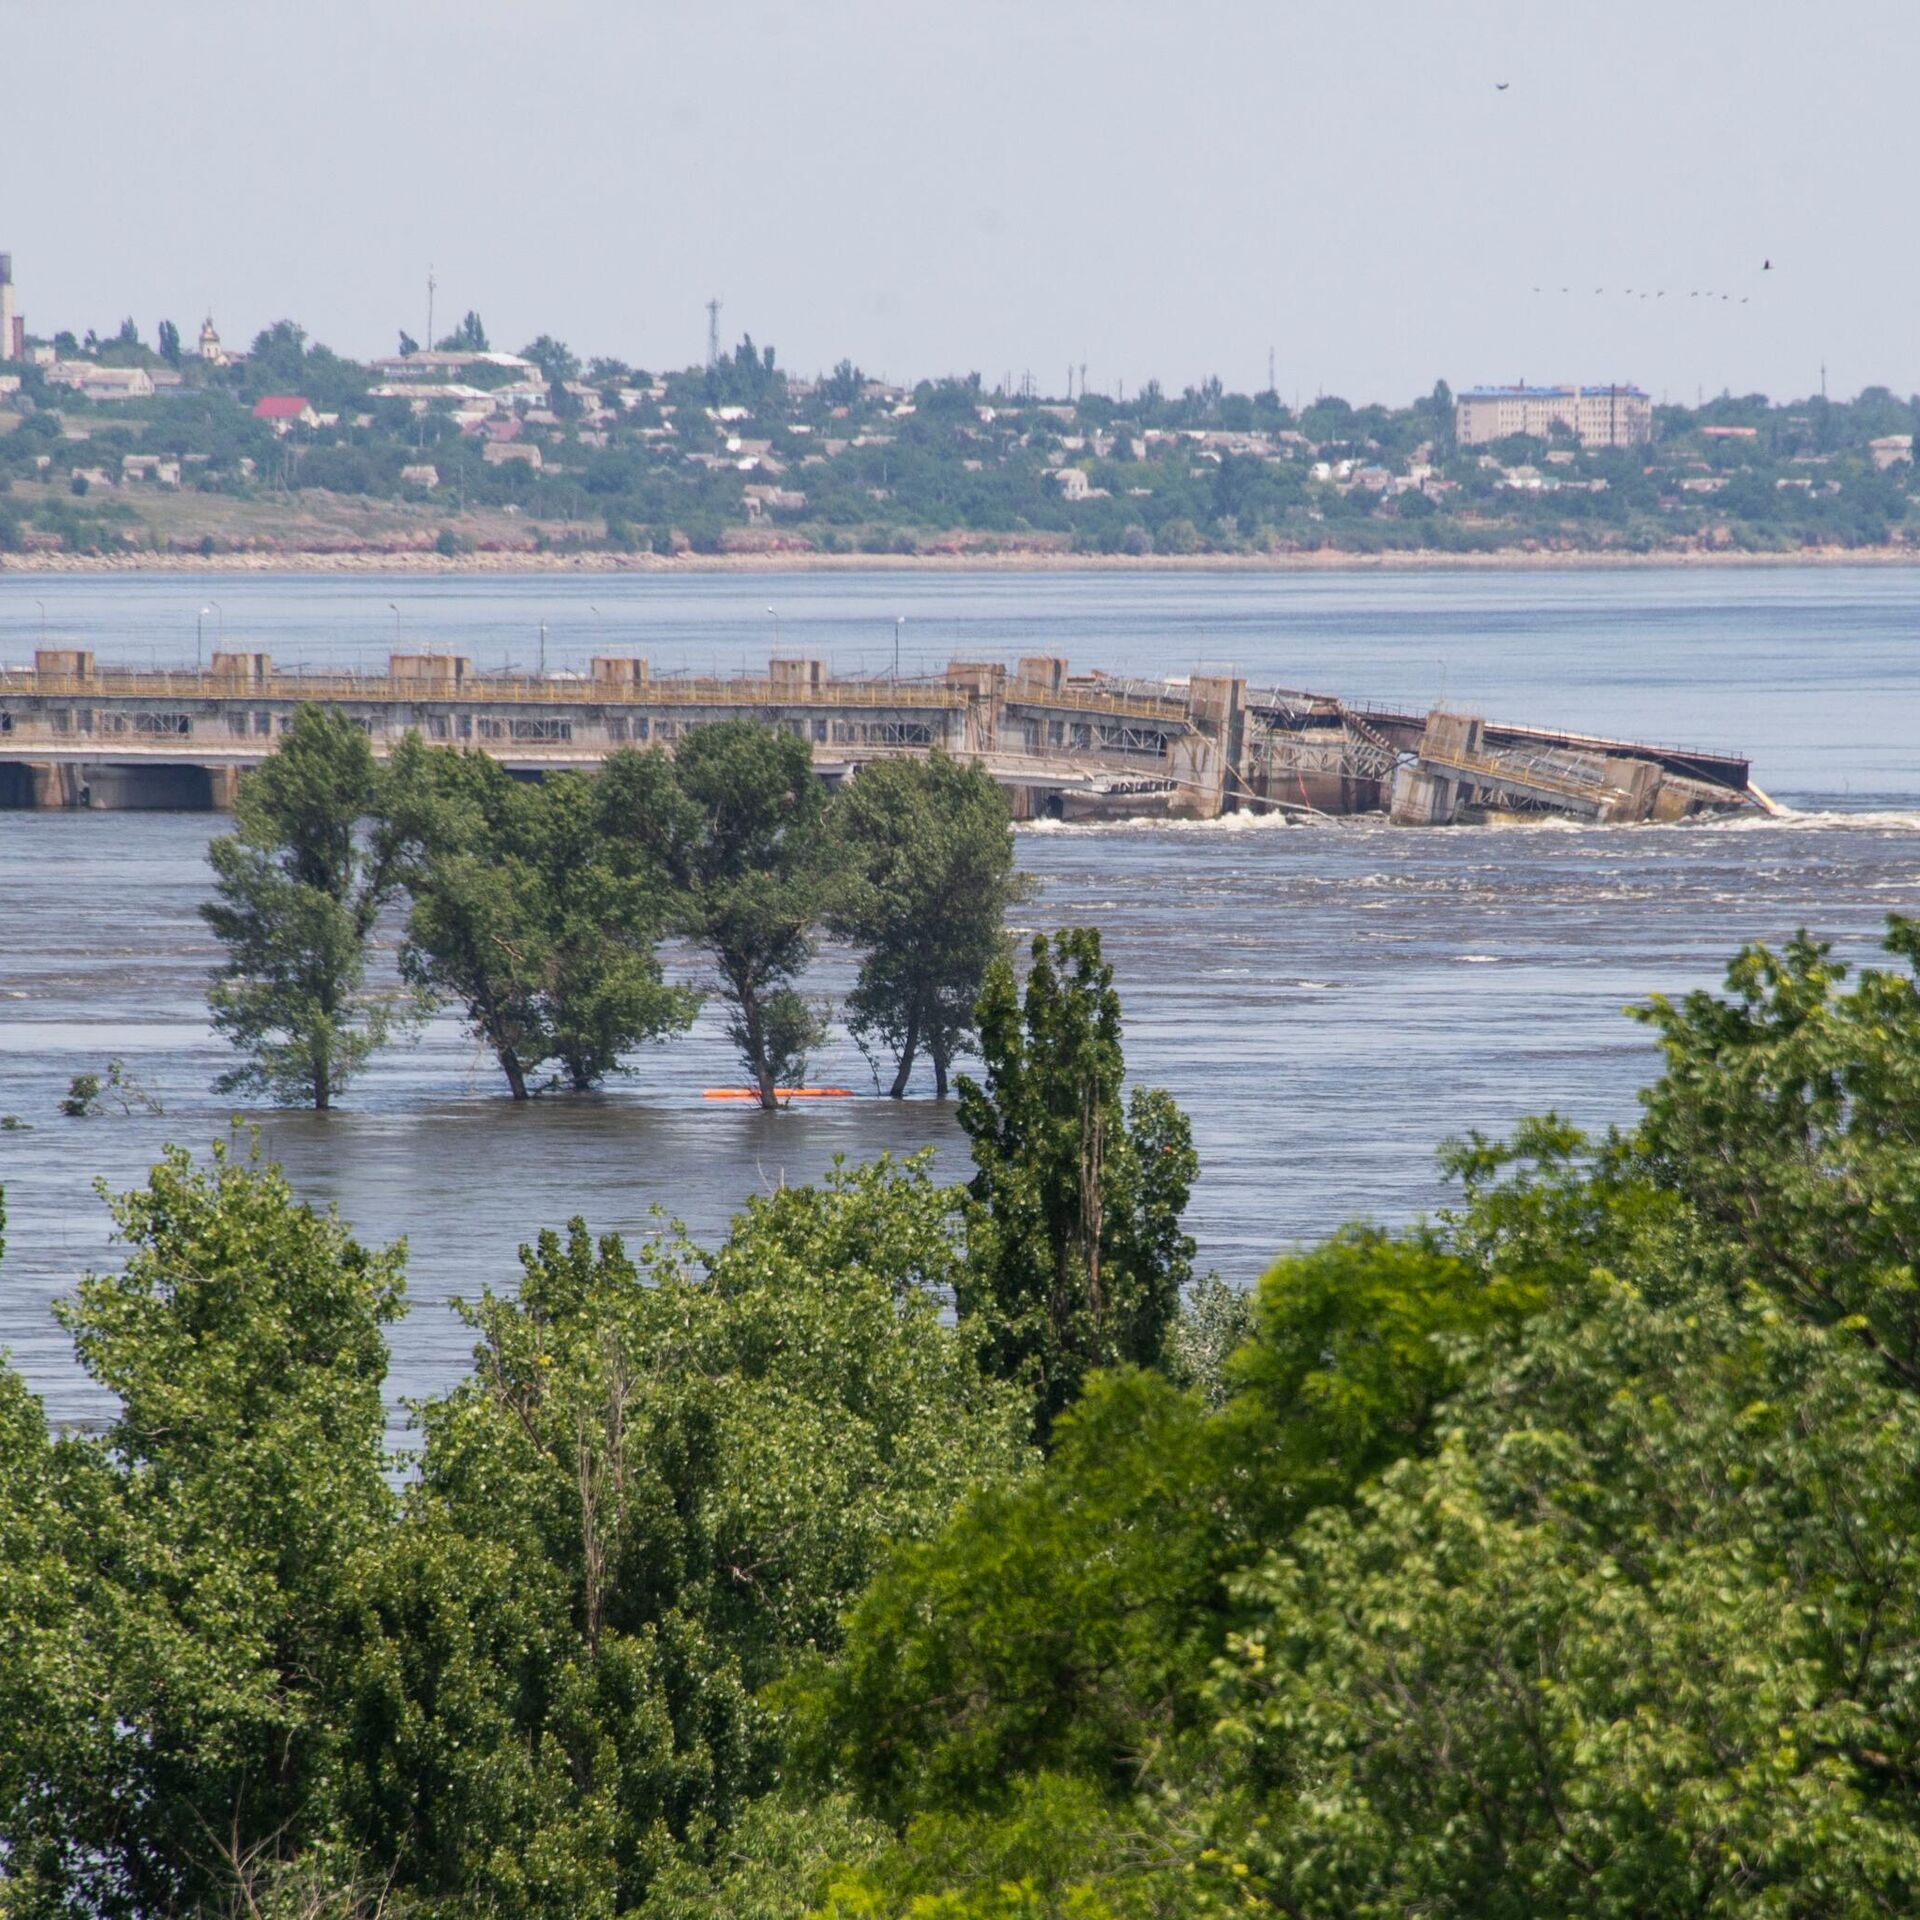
(713, 334)
(431, 284)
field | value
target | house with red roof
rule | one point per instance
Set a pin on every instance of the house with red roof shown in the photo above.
(285, 411)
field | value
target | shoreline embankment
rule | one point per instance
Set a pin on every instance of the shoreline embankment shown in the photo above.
(514, 562)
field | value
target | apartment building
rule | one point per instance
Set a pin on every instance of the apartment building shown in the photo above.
(1601, 416)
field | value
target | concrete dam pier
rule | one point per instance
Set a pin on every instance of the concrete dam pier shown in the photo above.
(1062, 745)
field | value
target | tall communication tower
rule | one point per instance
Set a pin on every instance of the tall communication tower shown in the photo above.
(713, 334)
(431, 285)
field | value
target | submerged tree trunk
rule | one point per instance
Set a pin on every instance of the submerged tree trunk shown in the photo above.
(516, 1074)
(757, 1061)
(911, 1046)
(322, 1080)
(942, 1059)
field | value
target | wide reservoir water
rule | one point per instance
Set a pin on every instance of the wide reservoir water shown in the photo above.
(1327, 1001)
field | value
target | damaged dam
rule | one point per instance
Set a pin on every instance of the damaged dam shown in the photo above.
(74, 733)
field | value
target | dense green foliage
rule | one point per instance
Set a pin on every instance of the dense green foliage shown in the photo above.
(528, 1683)
(299, 889)
(664, 1482)
(1560, 1555)
(1557, 1558)
(179, 1593)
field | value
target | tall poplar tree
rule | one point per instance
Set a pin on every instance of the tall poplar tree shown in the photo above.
(1078, 1257)
(299, 888)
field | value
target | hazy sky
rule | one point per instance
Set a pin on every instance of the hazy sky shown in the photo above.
(1155, 187)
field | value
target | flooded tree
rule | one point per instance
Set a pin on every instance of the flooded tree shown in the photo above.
(930, 878)
(299, 887)
(750, 851)
(537, 909)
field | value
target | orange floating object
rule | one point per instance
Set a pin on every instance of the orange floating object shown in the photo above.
(779, 1093)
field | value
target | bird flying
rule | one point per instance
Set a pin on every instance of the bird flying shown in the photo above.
(1766, 266)
(1500, 86)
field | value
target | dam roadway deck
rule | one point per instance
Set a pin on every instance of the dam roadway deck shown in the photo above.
(73, 733)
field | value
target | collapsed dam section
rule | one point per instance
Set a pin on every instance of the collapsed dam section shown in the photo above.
(1074, 746)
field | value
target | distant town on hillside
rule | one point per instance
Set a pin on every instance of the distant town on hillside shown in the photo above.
(114, 444)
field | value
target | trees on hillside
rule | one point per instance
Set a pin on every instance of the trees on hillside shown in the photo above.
(664, 1482)
(555, 359)
(235, 1665)
(470, 336)
(299, 885)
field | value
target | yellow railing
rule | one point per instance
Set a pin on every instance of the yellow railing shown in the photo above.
(1134, 706)
(477, 691)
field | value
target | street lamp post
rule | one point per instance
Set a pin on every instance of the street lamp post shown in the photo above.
(200, 639)
(776, 629)
(899, 621)
(394, 609)
(42, 605)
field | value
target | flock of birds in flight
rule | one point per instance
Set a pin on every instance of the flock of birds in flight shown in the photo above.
(1661, 293)
(1766, 266)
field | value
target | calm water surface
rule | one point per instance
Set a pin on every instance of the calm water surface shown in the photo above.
(1326, 1001)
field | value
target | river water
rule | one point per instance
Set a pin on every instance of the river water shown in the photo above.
(1327, 1001)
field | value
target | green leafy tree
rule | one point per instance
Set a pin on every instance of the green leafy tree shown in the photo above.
(1067, 1627)
(1635, 1641)
(536, 907)
(662, 1487)
(299, 889)
(553, 357)
(1786, 1119)
(751, 854)
(930, 879)
(177, 1596)
(169, 339)
(1079, 1256)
